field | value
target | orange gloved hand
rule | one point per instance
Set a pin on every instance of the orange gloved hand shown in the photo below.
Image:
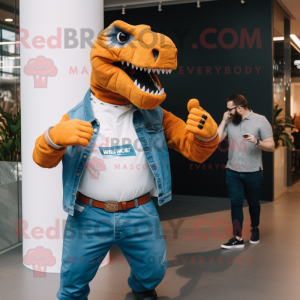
(200, 121)
(71, 132)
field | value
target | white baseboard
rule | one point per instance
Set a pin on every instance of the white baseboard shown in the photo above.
(10, 248)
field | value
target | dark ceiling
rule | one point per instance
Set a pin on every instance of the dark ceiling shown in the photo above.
(9, 9)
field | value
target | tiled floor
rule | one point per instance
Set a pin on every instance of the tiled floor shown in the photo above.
(197, 268)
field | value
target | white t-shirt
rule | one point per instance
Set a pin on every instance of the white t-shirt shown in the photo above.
(117, 168)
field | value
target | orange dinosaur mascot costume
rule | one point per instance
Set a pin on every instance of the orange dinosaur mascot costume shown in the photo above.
(114, 149)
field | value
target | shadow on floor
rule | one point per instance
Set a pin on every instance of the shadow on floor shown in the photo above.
(193, 265)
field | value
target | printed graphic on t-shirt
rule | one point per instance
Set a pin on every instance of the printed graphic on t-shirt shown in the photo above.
(117, 151)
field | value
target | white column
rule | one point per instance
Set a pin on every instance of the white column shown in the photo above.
(56, 38)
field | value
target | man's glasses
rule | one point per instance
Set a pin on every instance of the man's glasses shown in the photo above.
(230, 109)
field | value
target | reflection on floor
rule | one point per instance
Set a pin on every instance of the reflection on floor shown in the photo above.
(197, 267)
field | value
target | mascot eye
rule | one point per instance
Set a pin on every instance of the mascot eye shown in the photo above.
(122, 37)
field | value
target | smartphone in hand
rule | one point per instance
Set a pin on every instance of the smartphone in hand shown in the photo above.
(245, 136)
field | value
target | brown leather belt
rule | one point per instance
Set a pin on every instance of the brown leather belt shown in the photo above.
(113, 206)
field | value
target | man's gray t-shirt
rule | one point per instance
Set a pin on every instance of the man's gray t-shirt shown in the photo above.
(244, 156)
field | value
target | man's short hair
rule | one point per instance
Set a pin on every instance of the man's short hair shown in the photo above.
(238, 100)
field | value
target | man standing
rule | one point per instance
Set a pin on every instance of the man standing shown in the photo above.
(248, 134)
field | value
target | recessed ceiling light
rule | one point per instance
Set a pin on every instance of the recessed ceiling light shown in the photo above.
(295, 39)
(8, 20)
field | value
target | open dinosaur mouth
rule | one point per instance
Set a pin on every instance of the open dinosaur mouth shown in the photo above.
(143, 78)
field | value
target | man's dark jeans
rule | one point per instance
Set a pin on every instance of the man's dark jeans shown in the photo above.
(240, 184)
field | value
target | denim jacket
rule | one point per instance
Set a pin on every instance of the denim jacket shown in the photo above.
(150, 131)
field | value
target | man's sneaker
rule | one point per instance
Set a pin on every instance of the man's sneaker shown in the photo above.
(254, 239)
(233, 243)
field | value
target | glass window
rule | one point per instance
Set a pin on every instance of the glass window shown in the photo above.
(10, 141)
(8, 35)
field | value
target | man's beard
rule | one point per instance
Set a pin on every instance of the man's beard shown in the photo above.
(236, 118)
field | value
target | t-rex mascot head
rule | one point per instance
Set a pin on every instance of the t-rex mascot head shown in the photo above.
(125, 60)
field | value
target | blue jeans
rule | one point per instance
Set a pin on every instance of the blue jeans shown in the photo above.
(91, 232)
(239, 183)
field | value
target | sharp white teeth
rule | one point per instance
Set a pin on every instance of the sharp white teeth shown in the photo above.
(149, 70)
(136, 82)
(136, 67)
(170, 71)
(127, 64)
(132, 66)
(158, 71)
(139, 86)
(157, 86)
(152, 92)
(161, 92)
(156, 93)
(154, 71)
(147, 91)
(163, 71)
(122, 62)
(143, 89)
(141, 69)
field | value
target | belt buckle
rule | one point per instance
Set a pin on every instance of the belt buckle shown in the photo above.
(111, 206)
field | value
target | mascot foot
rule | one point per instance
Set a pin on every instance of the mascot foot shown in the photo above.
(148, 295)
